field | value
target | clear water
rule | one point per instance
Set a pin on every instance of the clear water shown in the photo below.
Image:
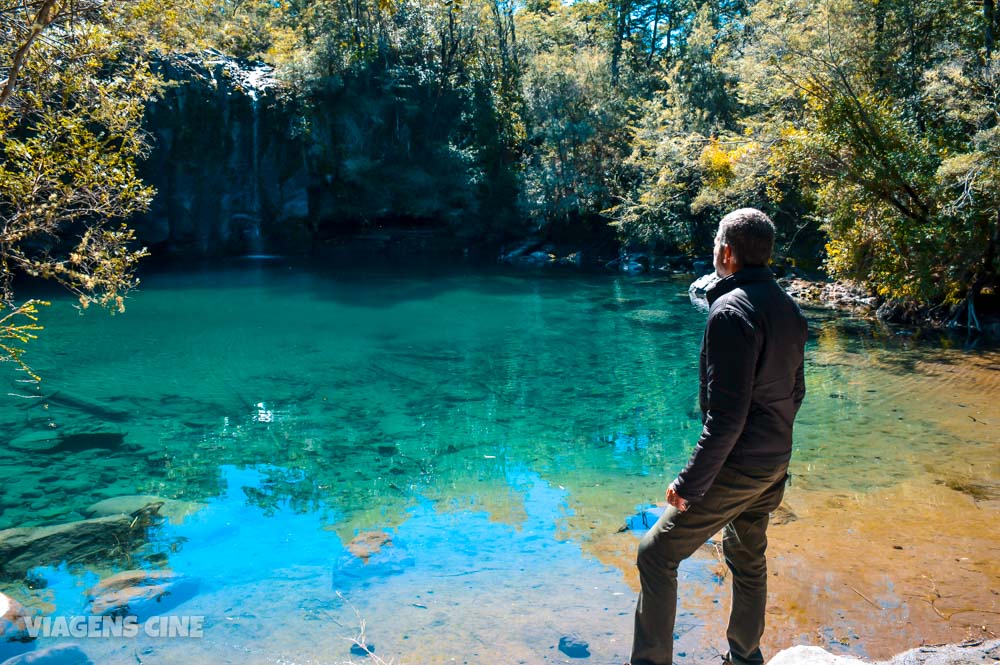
(497, 426)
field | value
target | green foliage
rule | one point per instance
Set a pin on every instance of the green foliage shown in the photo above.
(874, 122)
(877, 149)
(865, 126)
(69, 138)
(575, 116)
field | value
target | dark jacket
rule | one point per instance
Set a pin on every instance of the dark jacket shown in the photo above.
(752, 380)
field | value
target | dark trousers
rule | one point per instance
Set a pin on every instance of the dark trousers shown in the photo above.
(740, 500)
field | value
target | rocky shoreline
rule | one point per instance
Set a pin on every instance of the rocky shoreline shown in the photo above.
(850, 297)
(964, 653)
(811, 290)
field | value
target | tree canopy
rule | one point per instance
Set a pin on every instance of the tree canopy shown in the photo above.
(867, 128)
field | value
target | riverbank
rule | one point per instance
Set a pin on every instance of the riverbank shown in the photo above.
(858, 301)
(875, 555)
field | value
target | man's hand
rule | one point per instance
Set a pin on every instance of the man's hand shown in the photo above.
(676, 500)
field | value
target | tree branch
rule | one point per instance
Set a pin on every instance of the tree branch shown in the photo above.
(43, 18)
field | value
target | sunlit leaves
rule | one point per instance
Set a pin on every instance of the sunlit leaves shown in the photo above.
(71, 137)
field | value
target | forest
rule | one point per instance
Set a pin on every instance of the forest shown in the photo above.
(868, 129)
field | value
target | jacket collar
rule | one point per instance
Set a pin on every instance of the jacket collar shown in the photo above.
(745, 276)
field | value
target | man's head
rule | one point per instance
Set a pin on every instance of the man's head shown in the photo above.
(745, 240)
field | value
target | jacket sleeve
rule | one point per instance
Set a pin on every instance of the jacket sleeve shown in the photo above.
(800, 386)
(731, 358)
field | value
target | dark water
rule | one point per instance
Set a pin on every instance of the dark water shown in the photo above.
(492, 425)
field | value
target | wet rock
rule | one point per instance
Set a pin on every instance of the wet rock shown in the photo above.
(632, 267)
(367, 543)
(63, 654)
(574, 646)
(698, 290)
(24, 548)
(520, 251)
(843, 295)
(142, 593)
(573, 259)
(536, 259)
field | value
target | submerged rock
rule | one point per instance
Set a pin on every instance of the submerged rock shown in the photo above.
(380, 564)
(63, 654)
(48, 441)
(655, 318)
(574, 646)
(367, 543)
(363, 649)
(123, 505)
(139, 504)
(24, 548)
(142, 593)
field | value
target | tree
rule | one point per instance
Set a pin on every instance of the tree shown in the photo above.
(70, 135)
(842, 88)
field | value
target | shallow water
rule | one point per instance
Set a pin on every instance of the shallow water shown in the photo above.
(499, 428)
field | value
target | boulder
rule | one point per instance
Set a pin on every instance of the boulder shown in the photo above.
(142, 593)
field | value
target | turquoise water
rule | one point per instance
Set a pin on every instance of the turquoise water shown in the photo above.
(494, 425)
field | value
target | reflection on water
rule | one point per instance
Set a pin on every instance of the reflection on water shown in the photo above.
(498, 429)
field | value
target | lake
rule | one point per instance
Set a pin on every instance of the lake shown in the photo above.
(451, 458)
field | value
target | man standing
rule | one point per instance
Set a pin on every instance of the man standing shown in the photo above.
(751, 388)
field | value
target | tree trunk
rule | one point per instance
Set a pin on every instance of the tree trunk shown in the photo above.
(621, 27)
(652, 41)
(47, 13)
(989, 23)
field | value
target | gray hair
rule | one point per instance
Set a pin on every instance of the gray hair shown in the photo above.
(750, 233)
